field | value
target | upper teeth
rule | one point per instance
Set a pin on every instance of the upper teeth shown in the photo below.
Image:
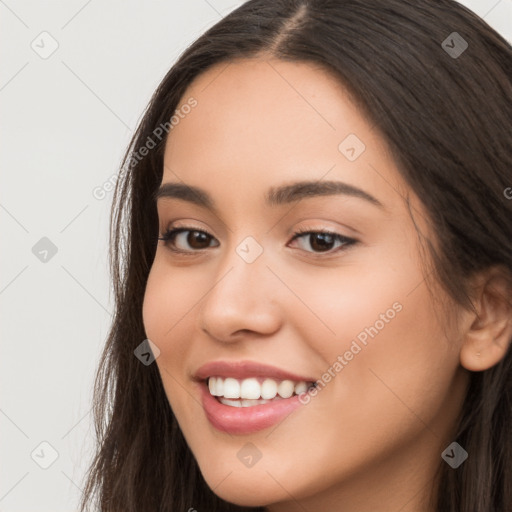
(254, 388)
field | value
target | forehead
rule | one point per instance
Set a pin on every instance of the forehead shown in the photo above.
(269, 101)
(259, 123)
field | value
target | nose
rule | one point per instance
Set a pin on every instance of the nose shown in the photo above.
(242, 300)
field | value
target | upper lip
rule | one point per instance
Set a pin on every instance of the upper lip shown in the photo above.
(246, 369)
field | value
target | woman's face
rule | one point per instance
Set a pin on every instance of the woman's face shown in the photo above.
(260, 310)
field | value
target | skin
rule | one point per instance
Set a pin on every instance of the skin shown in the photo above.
(372, 437)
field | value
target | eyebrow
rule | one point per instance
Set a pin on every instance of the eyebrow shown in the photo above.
(276, 196)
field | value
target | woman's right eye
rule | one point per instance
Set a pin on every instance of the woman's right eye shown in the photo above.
(197, 239)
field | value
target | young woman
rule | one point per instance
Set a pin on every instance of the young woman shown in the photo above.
(312, 261)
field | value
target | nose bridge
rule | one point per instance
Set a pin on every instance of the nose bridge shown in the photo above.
(242, 296)
(244, 267)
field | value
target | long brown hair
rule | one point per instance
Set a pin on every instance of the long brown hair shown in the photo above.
(447, 119)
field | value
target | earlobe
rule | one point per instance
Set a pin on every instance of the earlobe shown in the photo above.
(480, 357)
(488, 339)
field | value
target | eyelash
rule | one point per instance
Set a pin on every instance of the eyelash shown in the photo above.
(169, 235)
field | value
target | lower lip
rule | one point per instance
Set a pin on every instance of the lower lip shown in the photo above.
(245, 420)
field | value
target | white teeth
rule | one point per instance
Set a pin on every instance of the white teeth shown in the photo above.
(301, 387)
(212, 386)
(250, 388)
(242, 403)
(219, 388)
(250, 403)
(286, 388)
(268, 389)
(232, 403)
(231, 388)
(249, 392)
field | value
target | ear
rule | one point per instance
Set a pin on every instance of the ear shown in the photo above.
(487, 340)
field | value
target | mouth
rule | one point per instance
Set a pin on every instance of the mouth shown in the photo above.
(254, 391)
(246, 397)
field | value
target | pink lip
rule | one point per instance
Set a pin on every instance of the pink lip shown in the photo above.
(246, 369)
(245, 420)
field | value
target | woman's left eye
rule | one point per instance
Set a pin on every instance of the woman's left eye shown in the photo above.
(324, 240)
(197, 239)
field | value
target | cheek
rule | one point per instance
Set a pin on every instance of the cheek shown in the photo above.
(389, 363)
(168, 305)
(166, 313)
(170, 321)
(394, 382)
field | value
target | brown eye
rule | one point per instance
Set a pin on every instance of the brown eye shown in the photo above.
(198, 239)
(187, 240)
(323, 241)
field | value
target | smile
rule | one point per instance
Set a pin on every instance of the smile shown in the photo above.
(254, 391)
(241, 397)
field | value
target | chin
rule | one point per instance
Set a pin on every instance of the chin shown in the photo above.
(248, 491)
(235, 483)
(267, 482)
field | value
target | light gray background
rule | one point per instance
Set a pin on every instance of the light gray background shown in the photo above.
(65, 123)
